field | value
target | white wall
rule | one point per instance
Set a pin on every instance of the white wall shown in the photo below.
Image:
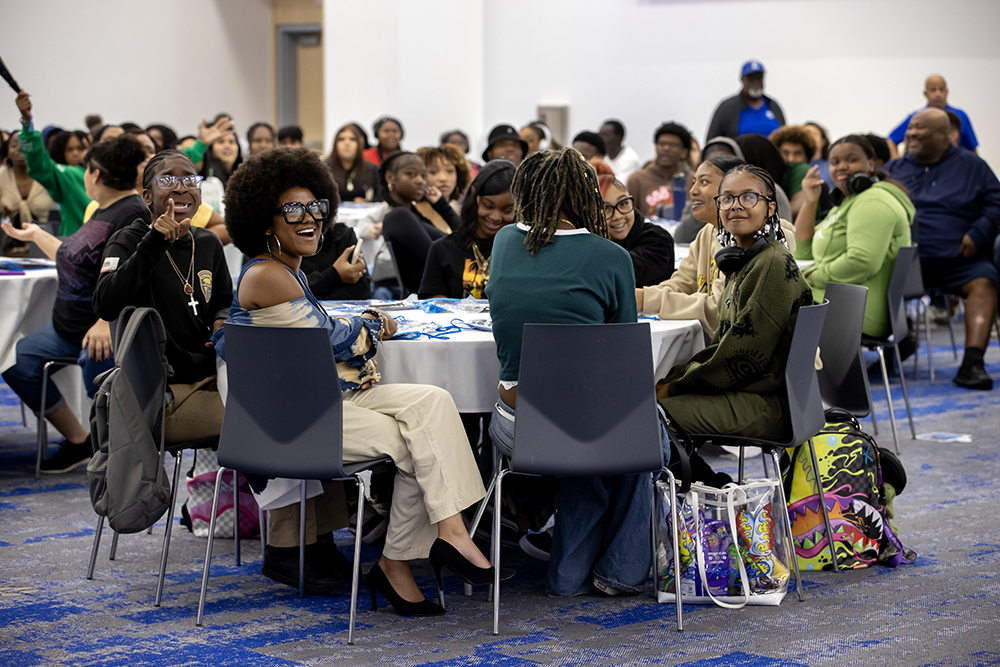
(852, 65)
(145, 61)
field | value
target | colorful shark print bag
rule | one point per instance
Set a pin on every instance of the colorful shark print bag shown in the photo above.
(851, 473)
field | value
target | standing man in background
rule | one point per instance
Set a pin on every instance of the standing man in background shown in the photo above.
(936, 93)
(750, 111)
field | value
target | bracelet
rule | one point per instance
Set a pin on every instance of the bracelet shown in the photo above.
(382, 317)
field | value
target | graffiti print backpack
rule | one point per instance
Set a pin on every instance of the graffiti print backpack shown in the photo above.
(850, 471)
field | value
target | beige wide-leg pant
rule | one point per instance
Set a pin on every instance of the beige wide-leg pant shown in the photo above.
(419, 428)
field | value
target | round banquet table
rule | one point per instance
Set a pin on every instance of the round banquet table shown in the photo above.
(465, 363)
(26, 305)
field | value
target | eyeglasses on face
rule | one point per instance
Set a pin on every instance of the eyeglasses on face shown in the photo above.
(295, 211)
(624, 207)
(167, 181)
(746, 199)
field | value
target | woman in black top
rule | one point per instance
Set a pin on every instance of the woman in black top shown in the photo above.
(110, 178)
(356, 177)
(404, 179)
(224, 156)
(459, 264)
(330, 273)
(650, 246)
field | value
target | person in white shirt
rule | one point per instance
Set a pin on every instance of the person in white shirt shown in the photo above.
(623, 159)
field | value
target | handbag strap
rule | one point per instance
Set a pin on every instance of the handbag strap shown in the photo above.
(699, 553)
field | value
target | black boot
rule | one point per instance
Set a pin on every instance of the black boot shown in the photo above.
(972, 374)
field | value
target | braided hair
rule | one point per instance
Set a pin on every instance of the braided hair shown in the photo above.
(550, 186)
(772, 225)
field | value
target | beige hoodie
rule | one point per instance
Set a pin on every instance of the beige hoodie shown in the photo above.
(693, 291)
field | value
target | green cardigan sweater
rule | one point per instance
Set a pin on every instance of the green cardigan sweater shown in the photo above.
(757, 312)
(857, 244)
(65, 183)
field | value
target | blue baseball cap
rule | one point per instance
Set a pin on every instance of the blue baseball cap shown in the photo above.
(751, 67)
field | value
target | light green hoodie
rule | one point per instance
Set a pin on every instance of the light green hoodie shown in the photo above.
(857, 244)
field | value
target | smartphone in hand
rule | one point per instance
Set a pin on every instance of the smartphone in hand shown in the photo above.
(356, 253)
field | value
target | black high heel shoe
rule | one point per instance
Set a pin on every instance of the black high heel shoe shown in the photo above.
(444, 555)
(379, 583)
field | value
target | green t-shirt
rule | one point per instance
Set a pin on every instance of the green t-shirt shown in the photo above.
(579, 278)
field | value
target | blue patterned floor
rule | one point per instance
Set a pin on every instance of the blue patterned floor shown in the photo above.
(944, 610)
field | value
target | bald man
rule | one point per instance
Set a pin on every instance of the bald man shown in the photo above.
(936, 94)
(957, 197)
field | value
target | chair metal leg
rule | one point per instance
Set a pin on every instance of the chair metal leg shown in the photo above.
(97, 545)
(826, 513)
(479, 517)
(262, 519)
(951, 329)
(208, 549)
(674, 516)
(496, 551)
(906, 396)
(236, 515)
(166, 533)
(42, 431)
(24, 416)
(888, 397)
(788, 530)
(302, 537)
(114, 544)
(927, 333)
(742, 460)
(356, 575)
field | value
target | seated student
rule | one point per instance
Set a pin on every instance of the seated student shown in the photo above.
(179, 270)
(279, 203)
(556, 265)
(110, 173)
(224, 155)
(653, 185)
(163, 135)
(290, 136)
(590, 144)
(261, 137)
(21, 197)
(388, 133)
(820, 157)
(458, 266)
(404, 180)
(622, 159)
(736, 385)
(693, 290)
(505, 143)
(858, 240)
(448, 171)
(650, 246)
(356, 177)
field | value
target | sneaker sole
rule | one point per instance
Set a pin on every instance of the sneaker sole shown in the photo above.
(530, 549)
(74, 466)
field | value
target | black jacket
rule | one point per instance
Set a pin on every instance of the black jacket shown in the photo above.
(652, 250)
(324, 280)
(136, 272)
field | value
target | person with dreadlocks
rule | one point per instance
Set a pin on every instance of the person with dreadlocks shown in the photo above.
(736, 385)
(404, 183)
(180, 270)
(557, 265)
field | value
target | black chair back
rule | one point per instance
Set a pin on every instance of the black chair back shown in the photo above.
(586, 404)
(896, 291)
(805, 403)
(284, 411)
(843, 381)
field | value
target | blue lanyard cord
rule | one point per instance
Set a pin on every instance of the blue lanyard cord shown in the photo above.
(440, 332)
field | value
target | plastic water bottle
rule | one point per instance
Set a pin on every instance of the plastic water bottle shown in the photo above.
(680, 194)
(213, 192)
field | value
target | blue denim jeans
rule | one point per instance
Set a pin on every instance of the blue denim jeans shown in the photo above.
(602, 528)
(25, 376)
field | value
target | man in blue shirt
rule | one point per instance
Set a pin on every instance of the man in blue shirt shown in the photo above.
(957, 198)
(750, 111)
(936, 92)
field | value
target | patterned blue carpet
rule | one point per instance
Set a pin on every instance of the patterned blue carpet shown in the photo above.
(944, 610)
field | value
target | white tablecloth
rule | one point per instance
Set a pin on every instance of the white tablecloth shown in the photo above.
(466, 363)
(26, 305)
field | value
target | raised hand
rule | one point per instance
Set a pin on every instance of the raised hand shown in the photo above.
(24, 106)
(170, 228)
(210, 134)
(812, 185)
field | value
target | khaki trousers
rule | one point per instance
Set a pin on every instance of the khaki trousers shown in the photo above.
(325, 513)
(419, 428)
(196, 412)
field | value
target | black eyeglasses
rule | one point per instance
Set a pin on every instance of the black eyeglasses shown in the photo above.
(295, 211)
(167, 181)
(624, 207)
(746, 199)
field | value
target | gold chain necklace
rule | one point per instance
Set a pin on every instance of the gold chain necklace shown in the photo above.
(188, 289)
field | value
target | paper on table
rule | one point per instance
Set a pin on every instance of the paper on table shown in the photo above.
(940, 436)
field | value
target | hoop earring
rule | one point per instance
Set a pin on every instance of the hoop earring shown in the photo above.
(269, 237)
